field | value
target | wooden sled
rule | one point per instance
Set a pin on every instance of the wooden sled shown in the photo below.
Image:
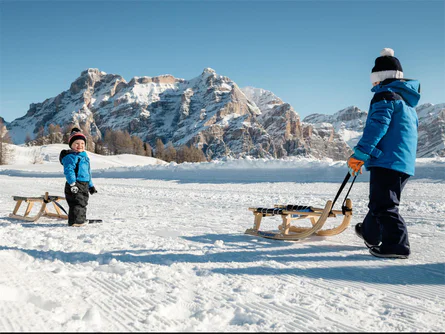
(44, 201)
(289, 213)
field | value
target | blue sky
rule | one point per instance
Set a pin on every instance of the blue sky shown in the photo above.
(315, 55)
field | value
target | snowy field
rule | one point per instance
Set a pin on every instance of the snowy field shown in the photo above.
(172, 255)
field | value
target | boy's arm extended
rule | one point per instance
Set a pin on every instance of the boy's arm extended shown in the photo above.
(376, 127)
(69, 166)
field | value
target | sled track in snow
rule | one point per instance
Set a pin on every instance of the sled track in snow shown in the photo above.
(292, 317)
(295, 318)
(123, 320)
(301, 319)
(130, 313)
(427, 293)
(21, 302)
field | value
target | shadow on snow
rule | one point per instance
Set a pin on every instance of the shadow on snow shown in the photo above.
(262, 252)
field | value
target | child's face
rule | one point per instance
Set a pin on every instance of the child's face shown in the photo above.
(375, 83)
(78, 145)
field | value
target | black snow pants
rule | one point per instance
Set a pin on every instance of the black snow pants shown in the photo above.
(77, 203)
(383, 223)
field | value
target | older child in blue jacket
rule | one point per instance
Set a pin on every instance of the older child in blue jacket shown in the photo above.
(79, 184)
(388, 150)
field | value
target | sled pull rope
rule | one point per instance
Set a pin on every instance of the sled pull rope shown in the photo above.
(61, 207)
(49, 200)
(343, 207)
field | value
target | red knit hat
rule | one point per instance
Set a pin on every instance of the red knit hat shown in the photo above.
(76, 134)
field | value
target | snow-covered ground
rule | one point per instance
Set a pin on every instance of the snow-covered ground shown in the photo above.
(172, 255)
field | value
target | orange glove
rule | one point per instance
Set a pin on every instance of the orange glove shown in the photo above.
(355, 165)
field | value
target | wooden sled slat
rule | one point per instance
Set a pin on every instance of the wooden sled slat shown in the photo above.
(344, 224)
(43, 211)
(332, 231)
(288, 232)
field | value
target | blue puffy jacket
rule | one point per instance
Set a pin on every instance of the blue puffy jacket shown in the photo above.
(390, 133)
(69, 165)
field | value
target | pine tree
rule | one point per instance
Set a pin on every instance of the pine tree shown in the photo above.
(138, 145)
(170, 153)
(40, 137)
(55, 134)
(148, 150)
(109, 142)
(123, 142)
(160, 149)
(190, 154)
(100, 148)
(182, 154)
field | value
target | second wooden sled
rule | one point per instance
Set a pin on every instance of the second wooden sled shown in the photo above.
(289, 213)
(43, 211)
(317, 217)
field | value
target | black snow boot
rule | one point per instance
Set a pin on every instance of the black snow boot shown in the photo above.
(358, 232)
(377, 251)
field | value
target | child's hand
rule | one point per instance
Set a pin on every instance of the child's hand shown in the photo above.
(355, 166)
(92, 190)
(74, 188)
(356, 161)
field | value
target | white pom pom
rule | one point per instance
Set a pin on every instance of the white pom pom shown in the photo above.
(387, 52)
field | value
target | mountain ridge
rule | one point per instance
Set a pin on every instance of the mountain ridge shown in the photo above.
(209, 111)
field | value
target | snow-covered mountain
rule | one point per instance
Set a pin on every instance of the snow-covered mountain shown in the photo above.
(431, 130)
(209, 111)
(290, 135)
(349, 124)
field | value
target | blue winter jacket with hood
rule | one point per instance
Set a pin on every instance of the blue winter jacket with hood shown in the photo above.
(69, 166)
(390, 133)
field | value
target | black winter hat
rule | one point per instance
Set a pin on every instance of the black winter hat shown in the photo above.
(76, 134)
(386, 67)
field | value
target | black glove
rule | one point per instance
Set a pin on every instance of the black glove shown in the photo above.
(92, 190)
(74, 188)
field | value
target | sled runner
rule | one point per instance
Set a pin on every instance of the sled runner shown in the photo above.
(95, 221)
(317, 217)
(43, 201)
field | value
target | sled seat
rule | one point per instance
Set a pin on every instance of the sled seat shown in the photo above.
(278, 209)
(43, 200)
(291, 213)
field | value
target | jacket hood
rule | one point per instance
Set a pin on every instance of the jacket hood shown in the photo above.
(407, 88)
(83, 153)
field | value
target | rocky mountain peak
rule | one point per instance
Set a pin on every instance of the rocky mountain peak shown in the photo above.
(88, 79)
(264, 99)
(350, 113)
(209, 111)
(208, 71)
(161, 79)
(290, 135)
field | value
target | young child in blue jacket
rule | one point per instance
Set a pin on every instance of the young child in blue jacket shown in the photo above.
(388, 150)
(79, 184)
